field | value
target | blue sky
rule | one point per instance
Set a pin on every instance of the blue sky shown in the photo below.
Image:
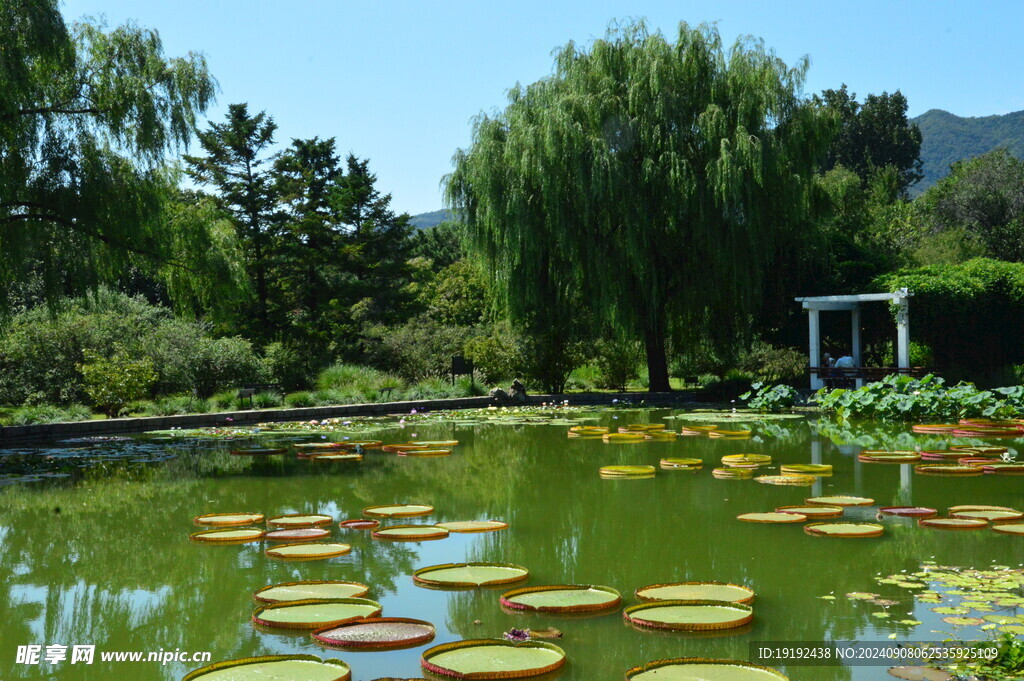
(399, 81)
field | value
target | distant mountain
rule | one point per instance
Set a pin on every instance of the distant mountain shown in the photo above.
(946, 138)
(434, 217)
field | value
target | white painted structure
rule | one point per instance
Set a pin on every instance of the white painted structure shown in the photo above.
(851, 304)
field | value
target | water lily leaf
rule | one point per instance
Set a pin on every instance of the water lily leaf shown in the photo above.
(493, 658)
(947, 610)
(861, 596)
(963, 621)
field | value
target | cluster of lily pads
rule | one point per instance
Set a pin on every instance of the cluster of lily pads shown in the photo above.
(957, 460)
(970, 599)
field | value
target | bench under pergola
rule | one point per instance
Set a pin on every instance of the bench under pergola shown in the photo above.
(851, 303)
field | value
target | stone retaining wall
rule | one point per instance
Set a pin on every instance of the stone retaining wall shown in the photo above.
(58, 431)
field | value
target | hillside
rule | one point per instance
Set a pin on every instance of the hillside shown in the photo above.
(947, 138)
(434, 217)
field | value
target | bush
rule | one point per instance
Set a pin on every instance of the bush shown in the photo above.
(902, 398)
(113, 383)
(300, 400)
(497, 356)
(585, 378)
(770, 398)
(27, 416)
(226, 400)
(771, 364)
(285, 366)
(173, 405)
(420, 349)
(267, 400)
(354, 383)
(617, 362)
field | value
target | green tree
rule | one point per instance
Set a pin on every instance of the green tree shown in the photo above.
(87, 116)
(236, 166)
(873, 135)
(656, 181)
(984, 197)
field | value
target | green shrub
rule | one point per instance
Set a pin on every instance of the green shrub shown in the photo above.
(422, 348)
(902, 398)
(225, 400)
(300, 399)
(267, 400)
(112, 383)
(286, 366)
(768, 398)
(46, 413)
(497, 357)
(617, 362)
(175, 405)
(327, 398)
(771, 364)
(584, 378)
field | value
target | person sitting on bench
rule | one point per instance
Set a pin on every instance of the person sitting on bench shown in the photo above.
(845, 377)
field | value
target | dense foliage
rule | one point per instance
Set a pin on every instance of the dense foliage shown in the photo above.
(770, 398)
(948, 138)
(902, 398)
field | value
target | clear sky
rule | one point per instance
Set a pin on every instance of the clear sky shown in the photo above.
(398, 81)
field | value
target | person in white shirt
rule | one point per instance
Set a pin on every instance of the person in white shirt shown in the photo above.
(844, 362)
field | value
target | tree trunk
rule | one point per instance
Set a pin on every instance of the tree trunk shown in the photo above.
(657, 362)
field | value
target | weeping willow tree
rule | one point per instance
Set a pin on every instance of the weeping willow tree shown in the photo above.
(87, 118)
(652, 184)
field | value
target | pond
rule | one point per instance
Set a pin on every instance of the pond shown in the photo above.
(103, 557)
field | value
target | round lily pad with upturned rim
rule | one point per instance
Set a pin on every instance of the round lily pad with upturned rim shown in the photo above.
(909, 511)
(376, 633)
(464, 575)
(300, 520)
(788, 479)
(948, 469)
(336, 456)
(624, 437)
(683, 464)
(305, 667)
(694, 615)
(410, 532)
(316, 589)
(953, 523)
(403, 447)
(435, 444)
(228, 519)
(870, 456)
(991, 516)
(733, 459)
(840, 500)
(817, 469)
(1009, 528)
(732, 474)
(562, 598)
(426, 453)
(399, 510)
(813, 511)
(363, 444)
(772, 517)
(626, 471)
(359, 524)
(297, 534)
(313, 613)
(844, 530)
(696, 591)
(229, 535)
(473, 525)
(588, 430)
(492, 659)
(308, 551)
(978, 507)
(703, 669)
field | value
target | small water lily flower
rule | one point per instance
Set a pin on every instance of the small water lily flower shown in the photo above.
(229, 420)
(413, 411)
(517, 635)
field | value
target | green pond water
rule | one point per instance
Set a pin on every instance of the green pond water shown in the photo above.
(102, 557)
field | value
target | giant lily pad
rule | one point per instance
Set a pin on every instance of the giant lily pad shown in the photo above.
(492, 659)
(816, 469)
(300, 520)
(313, 613)
(359, 524)
(1009, 528)
(305, 667)
(909, 511)
(435, 444)
(772, 517)
(978, 507)
(839, 501)
(991, 516)
(588, 430)
(426, 453)
(849, 530)
(308, 551)
(740, 459)
(410, 532)
(813, 511)
(696, 591)
(624, 437)
(953, 523)
(228, 519)
(336, 456)
(297, 534)
(626, 471)
(948, 469)
(399, 510)
(683, 464)
(228, 535)
(470, 574)
(870, 456)
(473, 525)
(703, 669)
(298, 591)
(376, 633)
(732, 474)
(697, 615)
(796, 480)
(562, 598)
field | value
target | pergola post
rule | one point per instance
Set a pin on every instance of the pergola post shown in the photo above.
(855, 340)
(903, 332)
(814, 336)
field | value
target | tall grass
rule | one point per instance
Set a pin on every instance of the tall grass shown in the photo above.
(358, 383)
(29, 415)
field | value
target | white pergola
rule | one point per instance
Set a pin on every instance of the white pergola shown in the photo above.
(851, 304)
